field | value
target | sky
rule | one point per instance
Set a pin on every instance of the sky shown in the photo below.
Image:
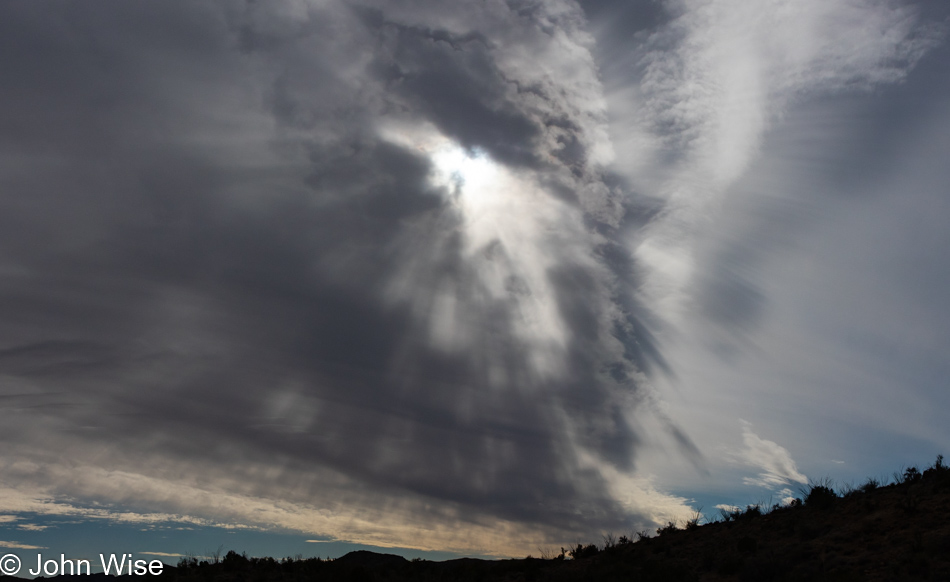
(476, 278)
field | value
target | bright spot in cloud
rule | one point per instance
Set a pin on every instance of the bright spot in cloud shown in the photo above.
(514, 233)
(471, 172)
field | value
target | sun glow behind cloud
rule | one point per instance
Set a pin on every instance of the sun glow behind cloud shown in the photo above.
(507, 224)
(470, 173)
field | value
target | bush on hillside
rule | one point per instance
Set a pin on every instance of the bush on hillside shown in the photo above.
(820, 495)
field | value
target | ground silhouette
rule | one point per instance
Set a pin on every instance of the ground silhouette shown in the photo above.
(873, 532)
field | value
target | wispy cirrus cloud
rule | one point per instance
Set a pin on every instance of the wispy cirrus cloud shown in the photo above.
(19, 546)
(775, 463)
(711, 82)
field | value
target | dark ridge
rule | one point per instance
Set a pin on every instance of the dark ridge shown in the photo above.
(881, 530)
(370, 559)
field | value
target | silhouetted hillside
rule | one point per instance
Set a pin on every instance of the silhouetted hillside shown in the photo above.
(899, 531)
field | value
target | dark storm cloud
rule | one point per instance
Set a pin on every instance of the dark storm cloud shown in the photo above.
(453, 81)
(201, 227)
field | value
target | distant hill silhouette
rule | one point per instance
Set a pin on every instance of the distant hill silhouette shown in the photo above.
(371, 559)
(873, 532)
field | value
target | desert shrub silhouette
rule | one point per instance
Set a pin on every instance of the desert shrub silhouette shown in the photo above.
(820, 495)
(668, 528)
(751, 511)
(582, 551)
(693, 522)
(739, 514)
(870, 485)
(938, 474)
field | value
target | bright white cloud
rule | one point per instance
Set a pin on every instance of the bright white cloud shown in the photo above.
(773, 460)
